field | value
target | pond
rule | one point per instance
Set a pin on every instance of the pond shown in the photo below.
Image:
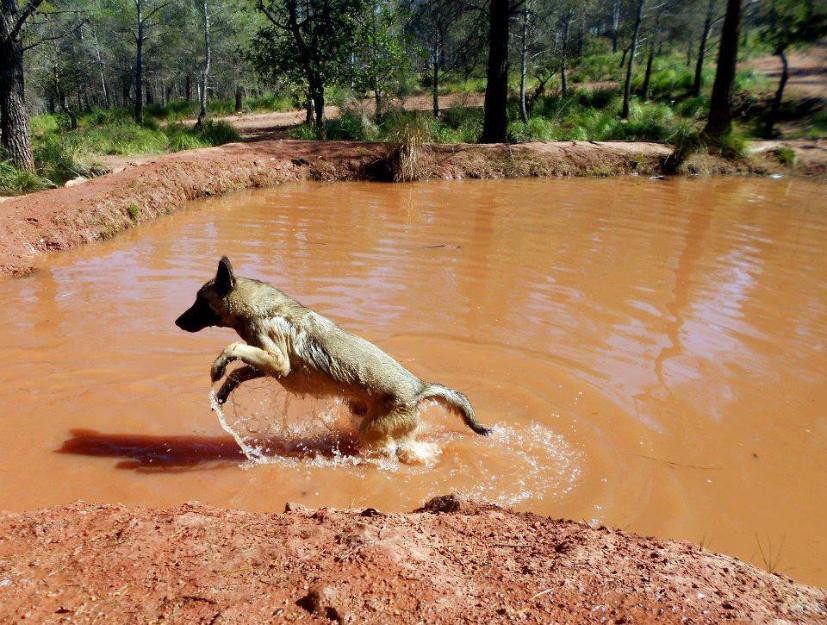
(651, 354)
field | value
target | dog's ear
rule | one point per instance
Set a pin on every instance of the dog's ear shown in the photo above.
(224, 278)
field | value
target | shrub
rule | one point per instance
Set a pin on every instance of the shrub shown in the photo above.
(408, 139)
(180, 137)
(785, 155)
(14, 181)
(218, 133)
(56, 159)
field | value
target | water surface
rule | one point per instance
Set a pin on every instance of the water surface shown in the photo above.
(652, 353)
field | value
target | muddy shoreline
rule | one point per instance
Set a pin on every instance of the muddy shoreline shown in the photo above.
(449, 562)
(58, 219)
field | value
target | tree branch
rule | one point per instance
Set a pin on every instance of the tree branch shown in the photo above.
(30, 8)
(155, 10)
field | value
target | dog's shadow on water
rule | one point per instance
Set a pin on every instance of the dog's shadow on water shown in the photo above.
(146, 453)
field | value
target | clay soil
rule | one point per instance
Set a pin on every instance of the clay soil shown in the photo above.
(58, 219)
(451, 562)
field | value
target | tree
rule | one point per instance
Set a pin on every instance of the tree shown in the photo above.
(702, 47)
(565, 23)
(379, 59)
(786, 24)
(14, 118)
(627, 85)
(719, 121)
(525, 20)
(654, 41)
(495, 114)
(316, 36)
(444, 44)
(144, 21)
(204, 9)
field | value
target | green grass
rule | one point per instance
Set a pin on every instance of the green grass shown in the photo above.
(62, 154)
(14, 181)
(785, 155)
(177, 110)
(459, 125)
(595, 116)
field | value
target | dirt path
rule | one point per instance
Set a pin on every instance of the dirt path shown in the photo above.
(452, 562)
(807, 72)
(261, 126)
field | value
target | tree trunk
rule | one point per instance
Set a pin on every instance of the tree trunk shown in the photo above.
(652, 45)
(377, 103)
(308, 117)
(720, 108)
(623, 57)
(689, 53)
(64, 105)
(538, 91)
(205, 72)
(317, 90)
(523, 58)
(699, 64)
(615, 25)
(188, 88)
(564, 81)
(435, 81)
(138, 113)
(495, 124)
(648, 75)
(779, 94)
(14, 119)
(627, 87)
(238, 97)
(125, 86)
(104, 89)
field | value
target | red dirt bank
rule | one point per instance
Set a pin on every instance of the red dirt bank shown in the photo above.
(63, 218)
(59, 219)
(452, 562)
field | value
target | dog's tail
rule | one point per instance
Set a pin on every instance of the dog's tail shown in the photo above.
(455, 402)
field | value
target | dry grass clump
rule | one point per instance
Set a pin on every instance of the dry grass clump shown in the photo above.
(404, 161)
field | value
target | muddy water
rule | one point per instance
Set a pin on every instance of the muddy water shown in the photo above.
(652, 354)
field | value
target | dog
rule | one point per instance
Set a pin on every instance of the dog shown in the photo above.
(309, 353)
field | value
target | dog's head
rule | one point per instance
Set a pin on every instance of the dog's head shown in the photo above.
(210, 307)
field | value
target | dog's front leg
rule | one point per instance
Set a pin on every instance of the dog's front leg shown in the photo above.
(240, 375)
(274, 363)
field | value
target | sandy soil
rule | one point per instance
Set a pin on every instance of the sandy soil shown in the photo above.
(451, 562)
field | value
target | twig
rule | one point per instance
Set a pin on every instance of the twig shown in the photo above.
(702, 467)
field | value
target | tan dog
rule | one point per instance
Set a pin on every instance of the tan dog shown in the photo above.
(308, 353)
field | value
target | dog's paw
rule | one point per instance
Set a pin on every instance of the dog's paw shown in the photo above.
(219, 367)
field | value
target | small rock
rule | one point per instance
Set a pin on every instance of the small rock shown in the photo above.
(75, 181)
(443, 503)
(291, 506)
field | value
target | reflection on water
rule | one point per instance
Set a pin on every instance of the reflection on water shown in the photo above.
(652, 353)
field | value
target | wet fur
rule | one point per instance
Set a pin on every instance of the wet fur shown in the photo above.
(309, 353)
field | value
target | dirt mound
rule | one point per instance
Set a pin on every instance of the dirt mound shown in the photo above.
(450, 562)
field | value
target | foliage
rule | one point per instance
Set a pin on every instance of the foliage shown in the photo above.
(379, 62)
(14, 181)
(790, 22)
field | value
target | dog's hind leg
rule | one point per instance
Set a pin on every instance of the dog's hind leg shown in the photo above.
(398, 425)
(242, 374)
